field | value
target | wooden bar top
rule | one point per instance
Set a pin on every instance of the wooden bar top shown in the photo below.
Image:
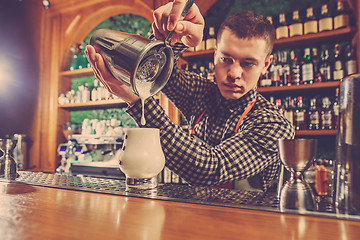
(35, 212)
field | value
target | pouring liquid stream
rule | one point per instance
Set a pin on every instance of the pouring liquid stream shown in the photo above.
(143, 89)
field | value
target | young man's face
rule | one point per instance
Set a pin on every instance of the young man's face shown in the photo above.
(239, 64)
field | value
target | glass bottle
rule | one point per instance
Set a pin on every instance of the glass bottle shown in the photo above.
(211, 39)
(327, 114)
(307, 68)
(315, 58)
(202, 72)
(284, 70)
(326, 20)
(211, 72)
(350, 60)
(279, 105)
(325, 66)
(295, 69)
(296, 26)
(342, 15)
(314, 115)
(282, 30)
(311, 23)
(275, 70)
(300, 115)
(336, 108)
(94, 91)
(289, 109)
(338, 65)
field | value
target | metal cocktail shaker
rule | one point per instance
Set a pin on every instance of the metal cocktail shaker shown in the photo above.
(347, 189)
(135, 60)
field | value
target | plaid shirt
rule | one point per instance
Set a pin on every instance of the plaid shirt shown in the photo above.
(221, 156)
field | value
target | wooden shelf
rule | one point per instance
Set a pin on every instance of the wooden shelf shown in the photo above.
(308, 39)
(77, 73)
(303, 87)
(114, 103)
(296, 41)
(315, 133)
(198, 55)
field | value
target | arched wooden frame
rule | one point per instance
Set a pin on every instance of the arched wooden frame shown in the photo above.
(86, 25)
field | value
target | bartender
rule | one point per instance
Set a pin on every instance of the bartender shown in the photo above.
(233, 128)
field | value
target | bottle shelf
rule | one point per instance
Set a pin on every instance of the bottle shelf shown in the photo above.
(102, 104)
(305, 133)
(308, 39)
(77, 73)
(296, 88)
(283, 43)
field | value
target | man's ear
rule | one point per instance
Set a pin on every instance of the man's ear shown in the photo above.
(268, 61)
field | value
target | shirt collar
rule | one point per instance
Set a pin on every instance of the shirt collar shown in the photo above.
(241, 103)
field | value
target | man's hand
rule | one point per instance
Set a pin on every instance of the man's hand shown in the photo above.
(113, 85)
(189, 30)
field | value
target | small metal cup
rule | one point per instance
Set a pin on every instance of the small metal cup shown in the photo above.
(297, 155)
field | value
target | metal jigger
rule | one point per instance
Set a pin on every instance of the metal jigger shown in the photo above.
(7, 162)
(297, 155)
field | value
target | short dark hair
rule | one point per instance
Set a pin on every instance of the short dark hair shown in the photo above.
(248, 24)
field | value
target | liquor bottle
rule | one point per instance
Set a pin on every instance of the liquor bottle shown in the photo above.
(274, 70)
(311, 23)
(194, 68)
(325, 66)
(338, 65)
(296, 26)
(342, 15)
(295, 69)
(270, 19)
(300, 115)
(307, 68)
(284, 71)
(94, 91)
(211, 39)
(314, 115)
(85, 94)
(336, 108)
(201, 46)
(211, 72)
(282, 30)
(327, 114)
(326, 20)
(202, 72)
(265, 80)
(280, 106)
(315, 58)
(289, 109)
(350, 60)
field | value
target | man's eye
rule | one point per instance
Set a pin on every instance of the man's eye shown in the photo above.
(247, 64)
(226, 60)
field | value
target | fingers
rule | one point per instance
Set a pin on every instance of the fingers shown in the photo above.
(175, 13)
(188, 30)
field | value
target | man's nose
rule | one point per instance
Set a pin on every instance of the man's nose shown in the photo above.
(235, 70)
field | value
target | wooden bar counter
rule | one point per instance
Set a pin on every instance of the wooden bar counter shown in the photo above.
(41, 212)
